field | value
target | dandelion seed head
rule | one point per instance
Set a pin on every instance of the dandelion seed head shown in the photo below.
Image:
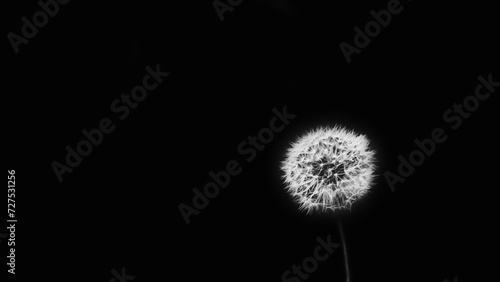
(328, 169)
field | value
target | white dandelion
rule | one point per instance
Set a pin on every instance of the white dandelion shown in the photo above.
(328, 169)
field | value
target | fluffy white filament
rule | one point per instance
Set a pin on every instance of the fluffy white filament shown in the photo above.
(328, 169)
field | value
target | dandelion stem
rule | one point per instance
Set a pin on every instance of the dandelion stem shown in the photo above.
(344, 249)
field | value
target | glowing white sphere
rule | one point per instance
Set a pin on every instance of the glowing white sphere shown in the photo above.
(328, 169)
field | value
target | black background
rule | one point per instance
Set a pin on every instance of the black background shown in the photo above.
(119, 208)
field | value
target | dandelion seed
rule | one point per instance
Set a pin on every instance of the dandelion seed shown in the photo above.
(328, 169)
